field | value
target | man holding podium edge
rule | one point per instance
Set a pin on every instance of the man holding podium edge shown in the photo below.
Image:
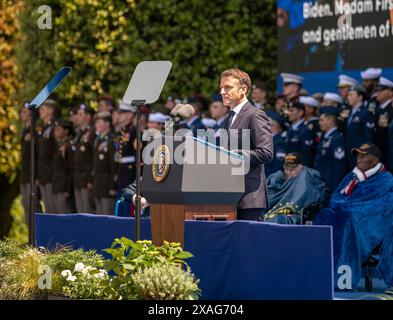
(235, 85)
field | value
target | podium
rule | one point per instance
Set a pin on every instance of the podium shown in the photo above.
(187, 180)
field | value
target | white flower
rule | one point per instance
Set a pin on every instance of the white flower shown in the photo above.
(87, 269)
(66, 273)
(101, 274)
(71, 278)
(79, 267)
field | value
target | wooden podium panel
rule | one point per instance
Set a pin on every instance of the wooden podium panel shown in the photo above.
(210, 212)
(167, 220)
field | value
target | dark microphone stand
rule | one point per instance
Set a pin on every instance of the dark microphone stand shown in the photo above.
(138, 203)
(33, 117)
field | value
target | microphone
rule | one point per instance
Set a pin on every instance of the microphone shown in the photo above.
(175, 110)
(179, 113)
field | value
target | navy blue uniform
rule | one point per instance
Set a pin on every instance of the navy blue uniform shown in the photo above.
(390, 153)
(383, 118)
(342, 118)
(195, 126)
(360, 129)
(126, 157)
(300, 139)
(330, 159)
(280, 149)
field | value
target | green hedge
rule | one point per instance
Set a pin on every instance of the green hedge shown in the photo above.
(103, 40)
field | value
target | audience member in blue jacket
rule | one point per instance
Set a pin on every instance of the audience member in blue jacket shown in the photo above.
(280, 147)
(299, 137)
(330, 158)
(360, 212)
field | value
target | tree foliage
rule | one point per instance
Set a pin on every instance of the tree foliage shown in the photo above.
(9, 142)
(104, 40)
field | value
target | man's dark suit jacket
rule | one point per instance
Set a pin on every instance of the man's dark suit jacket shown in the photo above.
(260, 152)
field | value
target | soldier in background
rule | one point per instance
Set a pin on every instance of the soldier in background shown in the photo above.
(46, 149)
(104, 176)
(106, 103)
(310, 117)
(292, 85)
(330, 158)
(299, 137)
(62, 167)
(370, 78)
(360, 126)
(383, 116)
(83, 159)
(279, 126)
(126, 152)
(259, 95)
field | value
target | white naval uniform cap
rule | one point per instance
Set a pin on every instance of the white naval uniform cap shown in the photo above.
(333, 97)
(310, 101)
(158, 117)
(371, 73)
(346, 81)
(291, 78)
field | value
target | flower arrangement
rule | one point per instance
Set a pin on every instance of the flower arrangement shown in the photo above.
(136, 270)
(85, 282)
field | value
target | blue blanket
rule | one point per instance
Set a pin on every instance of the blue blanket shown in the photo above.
(360, 221)
(385, 265)
(303, 191)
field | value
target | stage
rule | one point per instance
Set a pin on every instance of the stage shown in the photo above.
(233, 260)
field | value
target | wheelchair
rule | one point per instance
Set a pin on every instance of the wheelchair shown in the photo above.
(291, 214)
(371, 262)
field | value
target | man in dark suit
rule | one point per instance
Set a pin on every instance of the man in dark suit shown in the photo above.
(234, 88)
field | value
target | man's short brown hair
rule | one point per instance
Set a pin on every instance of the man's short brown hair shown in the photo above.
(243, 77)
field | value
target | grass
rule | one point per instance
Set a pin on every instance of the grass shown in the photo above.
(18, 232)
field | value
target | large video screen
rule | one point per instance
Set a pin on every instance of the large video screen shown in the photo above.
(334, 35)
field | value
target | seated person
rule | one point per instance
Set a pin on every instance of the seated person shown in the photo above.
(360, 211)
(293, 189)
(129, 195)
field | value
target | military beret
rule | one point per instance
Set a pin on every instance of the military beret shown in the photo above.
(297, 105)
(278, 118)
(329, 110)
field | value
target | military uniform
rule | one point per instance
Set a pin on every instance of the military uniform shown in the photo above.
(280, 149)
(62, 177)
(24, 177)
(360, 129)
(300, 139)
(82, 165)
(46, 150)
(126, 157)
(383, 117)
(342, 118)
(330, 159)
(104, 175)
(194, 125)
(390, 152)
